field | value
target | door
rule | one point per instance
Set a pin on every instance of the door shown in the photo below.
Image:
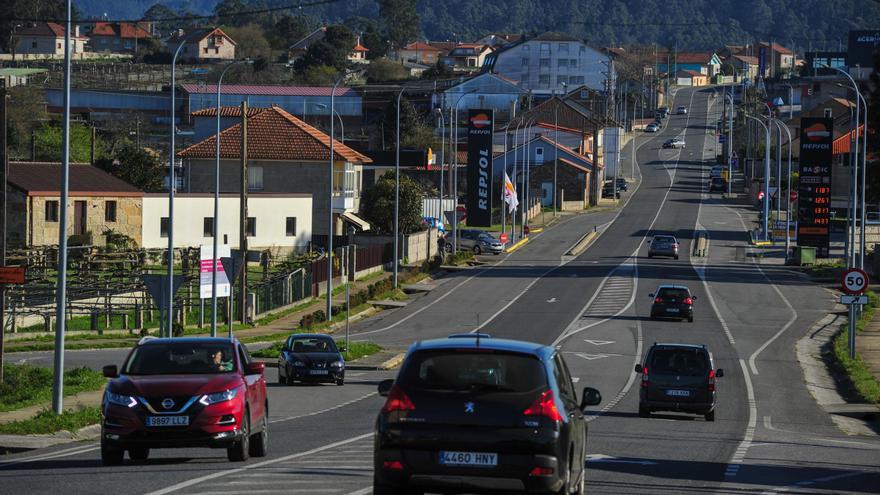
(547, 193)
(79, 217)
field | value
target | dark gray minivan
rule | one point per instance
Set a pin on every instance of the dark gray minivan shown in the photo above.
(678, 377)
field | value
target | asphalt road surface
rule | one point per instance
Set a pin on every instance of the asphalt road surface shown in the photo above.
(769, 436)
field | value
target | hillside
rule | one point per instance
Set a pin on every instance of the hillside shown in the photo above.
(691, 24)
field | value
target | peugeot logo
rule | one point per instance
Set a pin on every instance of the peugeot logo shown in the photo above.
(168, 403)
(469, 407)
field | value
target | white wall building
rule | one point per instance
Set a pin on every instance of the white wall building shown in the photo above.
(276, 221)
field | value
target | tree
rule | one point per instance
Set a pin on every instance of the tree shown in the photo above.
(375, 42)
(138, 167)
(400, 20)
(439, 70)
(320, 75)
(226, 12)
(12, 11)
(332, 50)
(727, 69)
(157, 13)
(250, 41)
(25, 109)
(384, 70)
(377, 205)
(415, 132)
(289, 29)
(48, 143)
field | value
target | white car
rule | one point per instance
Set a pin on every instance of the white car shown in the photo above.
(681, 110)
(652, 128)
(674, 143)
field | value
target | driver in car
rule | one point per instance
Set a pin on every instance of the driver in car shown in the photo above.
(219, 363)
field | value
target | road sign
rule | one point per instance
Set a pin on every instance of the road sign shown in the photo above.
(722, 138)
(157, 287)
(12, 274)
(854, 281)
(206, 271)
(853, 299)
(503, 237)
(793, 195)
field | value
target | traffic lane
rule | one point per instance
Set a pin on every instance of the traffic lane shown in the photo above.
(82, 472)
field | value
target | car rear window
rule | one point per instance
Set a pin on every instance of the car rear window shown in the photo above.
(673, 293)
(664, 239)
(468, 370)
(687, 362)
(183, 358)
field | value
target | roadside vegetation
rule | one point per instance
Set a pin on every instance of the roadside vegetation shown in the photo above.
(355, 350)
(46, 421)
(26, 385)
(856, 370)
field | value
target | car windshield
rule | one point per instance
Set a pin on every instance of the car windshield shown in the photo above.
(459, 371)
(312, 344)
(486, 236)
(688, 362)
(181, 358)
(673, 293)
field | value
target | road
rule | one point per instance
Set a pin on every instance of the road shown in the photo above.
(769, 435)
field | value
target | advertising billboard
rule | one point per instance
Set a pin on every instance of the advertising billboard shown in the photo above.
(814, 188)
(479, 149)
(862, 47)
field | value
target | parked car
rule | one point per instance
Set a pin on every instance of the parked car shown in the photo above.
(716, 184)
(475, 240)
(609, 191)
(678, 377)
(311, 358)
(716, 171)
(673, 301)
(674, 143)
(621, 184)
(185, 392)
(477, 414)
(681, 110)
(652, 127)
(663, 111)
(663, 245)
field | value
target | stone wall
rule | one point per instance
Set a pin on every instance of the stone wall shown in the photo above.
(129, 215)
(573, 184)
(16, 217)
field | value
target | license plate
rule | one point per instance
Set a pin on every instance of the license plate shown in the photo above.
(475, 459)
(672, 310)
(678, 393)
(167, 420)
(318, 372)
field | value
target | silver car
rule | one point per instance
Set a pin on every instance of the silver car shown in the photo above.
(663, 245)
(475, 240)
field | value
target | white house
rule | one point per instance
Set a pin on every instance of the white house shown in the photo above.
(275, 221)
(484, 91)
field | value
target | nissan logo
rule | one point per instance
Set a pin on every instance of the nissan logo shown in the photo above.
(168, 403)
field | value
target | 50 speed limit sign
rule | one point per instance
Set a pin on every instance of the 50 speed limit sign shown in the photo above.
(854, 281)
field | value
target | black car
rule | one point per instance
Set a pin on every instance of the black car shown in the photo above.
(311, 358)
(609, 191)
(481, 414)
(621, 184)
(673, 301)
(678, 377)
(716, 184)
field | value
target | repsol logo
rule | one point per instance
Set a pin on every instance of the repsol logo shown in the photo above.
(480, 132)
(816, 146)
(483, 184)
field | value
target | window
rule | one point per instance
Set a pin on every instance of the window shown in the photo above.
(525, 61)
(51, 211)
(526, 48)
(163, 227)
(573, 63)
(544, 62)
(206, 49)
(251, 227)
(290, 227)
(544, 79)
(563, 62)
(208, 227)
(563, 381)
(545, 47)
(255, 178)
(34, 45)
(110, 211)
(563, 48)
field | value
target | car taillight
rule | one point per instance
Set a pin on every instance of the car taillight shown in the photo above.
(688, 301)
(658, 299)
(541, 471)
(711, 382)
(393, 465)
(645, 377)
(544, 405)
(397, 401)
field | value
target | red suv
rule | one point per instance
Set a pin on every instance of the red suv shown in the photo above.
(185, 392)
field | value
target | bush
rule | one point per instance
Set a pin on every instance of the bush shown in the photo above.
(177, 330)
(307, 320)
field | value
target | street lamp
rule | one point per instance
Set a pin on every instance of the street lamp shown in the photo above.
(782, 126)
(528, 147)
(330, 229)
(397, 192)
(455, 171)
(323, 106)
(171, 185)
(556, 149)
(439, 112)
(729, 141)
(766, 205)
(214, 257)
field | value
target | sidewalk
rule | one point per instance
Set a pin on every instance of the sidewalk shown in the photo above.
(868, 346)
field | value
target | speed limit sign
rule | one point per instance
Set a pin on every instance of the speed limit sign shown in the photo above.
(854, 281)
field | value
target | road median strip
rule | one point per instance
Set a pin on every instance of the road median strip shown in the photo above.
(522, 242)
(581, 245)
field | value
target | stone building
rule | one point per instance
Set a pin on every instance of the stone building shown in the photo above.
(98, 203)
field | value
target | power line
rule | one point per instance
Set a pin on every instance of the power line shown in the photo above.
(239, 13)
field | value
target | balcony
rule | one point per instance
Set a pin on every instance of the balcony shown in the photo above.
(344, 200)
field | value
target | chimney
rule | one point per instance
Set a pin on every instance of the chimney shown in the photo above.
(76, 31)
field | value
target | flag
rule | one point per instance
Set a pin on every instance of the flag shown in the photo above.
(509, 194)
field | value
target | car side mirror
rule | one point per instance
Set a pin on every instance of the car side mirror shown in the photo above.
(693, 298)
(342, 349)
(110, 371)
(638, 368)
(651, 295)
(385, 387)
(719, 373)
(255, 368)
(590, 397)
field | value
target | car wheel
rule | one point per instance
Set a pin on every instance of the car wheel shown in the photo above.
(282, 380)
(260, 442)
(111, 456)
(710, 416)
(676, 256)
(340, 382)
(139, 454)
(644, 412)
(240, 450)
(477, 250)
(690, 319)
(566, 487)
(650, 254)
(447, 248)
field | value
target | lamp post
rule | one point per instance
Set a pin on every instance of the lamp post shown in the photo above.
(782, 126)
(790, 100)
(729, 141)
(171, 185)
(439, 112)
(454, 173)
(766, 208)
(336, 114)
(216, 221)
(330, 205)
(556, 148)
(527, 144)
(397, 193)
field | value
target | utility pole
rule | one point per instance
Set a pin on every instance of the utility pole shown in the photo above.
(242, 239)
(4, 172)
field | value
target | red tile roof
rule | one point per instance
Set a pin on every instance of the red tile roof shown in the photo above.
(44, 179)
(247, 89)
(776, 47)
(227, 112)
(122, 30)
(691, 73)
(274, 134)
(48, 29)
(360, 48)
(419, 46)
(747, 59)
(693, 58)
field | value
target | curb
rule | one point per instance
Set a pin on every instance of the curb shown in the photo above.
(19, 443)
(522, 242)
(581, 245)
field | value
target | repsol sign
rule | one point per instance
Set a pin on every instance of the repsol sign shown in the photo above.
(479, 186)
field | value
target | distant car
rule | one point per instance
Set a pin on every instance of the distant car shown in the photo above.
(475, 240)
(663, 245)
(716, 171)
(311, 358)
(434, 223)
(673, 301)
(652, 127)
(185, 392)
(663, 111)
(608, 191)
(481, 414)
(674, 143)
(681, 110)
(716, 184)
(678, 377)
(621, 184)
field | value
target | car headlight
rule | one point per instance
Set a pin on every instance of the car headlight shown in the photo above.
(120, 399)
(298, 364)
(215, 398)
(337, 364)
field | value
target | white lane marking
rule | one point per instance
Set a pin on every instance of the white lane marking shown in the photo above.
(701, 272)
(629, 382)
(322, 411)
(826, 479)
(598, 342)
(591, 357)
(740, 454)
(362, 491)
(51, 455)
(219, 474)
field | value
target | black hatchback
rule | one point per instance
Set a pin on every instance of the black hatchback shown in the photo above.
(311, 358)
(481, 414)
(673, 301)
(678, 377)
